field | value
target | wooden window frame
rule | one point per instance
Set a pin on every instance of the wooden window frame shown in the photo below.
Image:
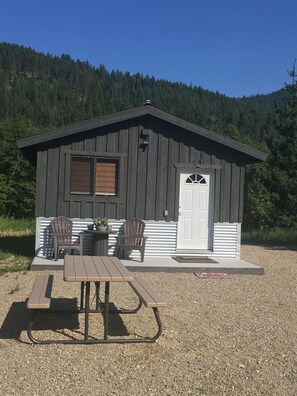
(93, 196)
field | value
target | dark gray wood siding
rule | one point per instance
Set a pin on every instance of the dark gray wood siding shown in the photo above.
(149, 175)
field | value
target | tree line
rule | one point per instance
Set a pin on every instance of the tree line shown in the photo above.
(40, 92)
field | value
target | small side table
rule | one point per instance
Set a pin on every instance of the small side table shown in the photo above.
(100, 241)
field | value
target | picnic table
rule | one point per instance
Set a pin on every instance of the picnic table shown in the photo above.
(87, 269)
(95, 269)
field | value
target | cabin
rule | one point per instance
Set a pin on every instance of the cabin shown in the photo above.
(184, 181)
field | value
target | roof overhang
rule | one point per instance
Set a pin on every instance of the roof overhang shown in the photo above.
(28, 145)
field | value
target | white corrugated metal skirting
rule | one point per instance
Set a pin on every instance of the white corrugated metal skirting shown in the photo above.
(161, 240)
(227, 239)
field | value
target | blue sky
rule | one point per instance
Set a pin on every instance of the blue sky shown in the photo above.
(242, 47)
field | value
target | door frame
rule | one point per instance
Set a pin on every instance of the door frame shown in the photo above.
(201, 170)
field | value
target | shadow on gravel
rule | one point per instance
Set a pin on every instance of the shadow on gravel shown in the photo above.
(18, 245)
(18, 317)
(292, 248)
(284, 248)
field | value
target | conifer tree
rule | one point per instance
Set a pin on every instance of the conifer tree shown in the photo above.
(283, 159)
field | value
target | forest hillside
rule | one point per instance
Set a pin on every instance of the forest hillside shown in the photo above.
(40, 92)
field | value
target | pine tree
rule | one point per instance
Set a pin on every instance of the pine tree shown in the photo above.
(283, 159)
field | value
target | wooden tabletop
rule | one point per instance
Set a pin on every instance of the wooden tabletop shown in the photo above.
(95, 269)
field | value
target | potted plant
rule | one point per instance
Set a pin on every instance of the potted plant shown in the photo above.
(101, 223)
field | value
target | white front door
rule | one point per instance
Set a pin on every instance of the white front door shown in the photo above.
(194, 211)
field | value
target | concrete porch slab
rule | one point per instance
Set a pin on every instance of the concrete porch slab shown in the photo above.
(166, 264)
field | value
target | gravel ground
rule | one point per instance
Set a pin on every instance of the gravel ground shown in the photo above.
(232, 336)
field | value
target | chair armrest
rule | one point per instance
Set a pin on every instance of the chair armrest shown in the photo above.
(119, 238)
(131, 236)
(127, 238)
(79, 235)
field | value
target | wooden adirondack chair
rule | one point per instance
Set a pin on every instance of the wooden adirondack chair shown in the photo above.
(133, 238)
(62, 236)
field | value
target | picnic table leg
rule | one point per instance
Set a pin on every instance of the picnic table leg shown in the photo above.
(97, 285)
(106, 310)
(82, 287)
(87, 309)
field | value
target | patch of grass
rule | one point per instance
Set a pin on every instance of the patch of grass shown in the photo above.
(15, 289)
(10, 225)
(23, 267)
(17, 244)
(273, 237)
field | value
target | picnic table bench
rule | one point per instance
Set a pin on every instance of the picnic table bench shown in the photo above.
(146, 293)
(150, 298)
(87, 269)
(40, 297)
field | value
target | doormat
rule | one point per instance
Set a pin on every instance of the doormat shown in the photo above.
(213, 275)
(194, 259)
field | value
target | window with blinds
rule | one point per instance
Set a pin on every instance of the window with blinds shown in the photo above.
(93, 176)
(81, 176)
(106, 177)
